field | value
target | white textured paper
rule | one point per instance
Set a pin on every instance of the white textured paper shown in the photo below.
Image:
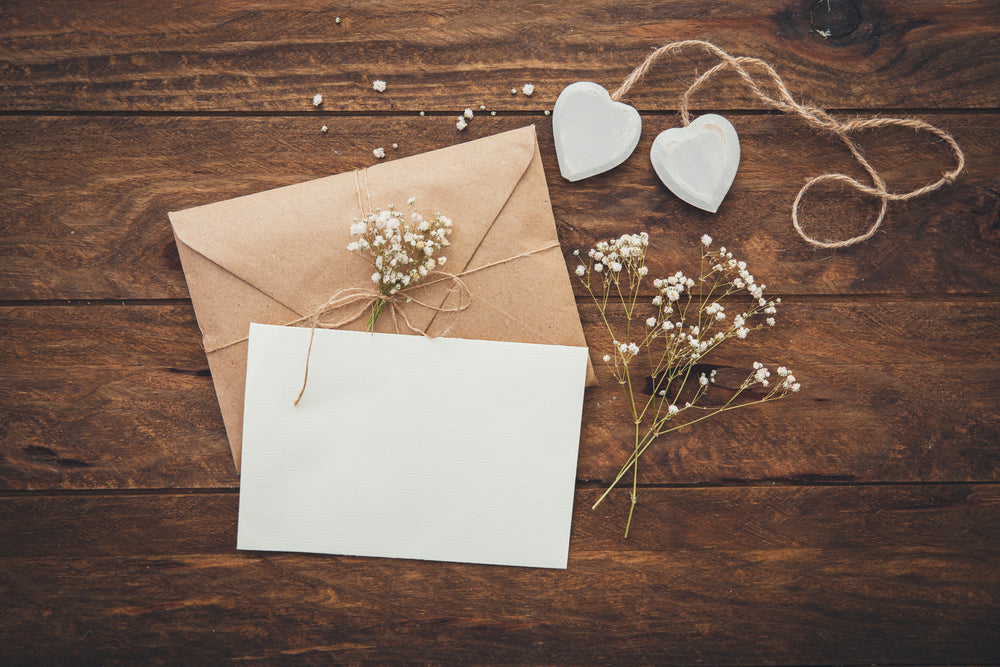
(410, 447)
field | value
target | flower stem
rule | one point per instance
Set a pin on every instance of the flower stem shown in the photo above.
(376, 311)
(631, 510)
(635, 472)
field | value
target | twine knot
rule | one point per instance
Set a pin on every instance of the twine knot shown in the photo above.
(369, 298)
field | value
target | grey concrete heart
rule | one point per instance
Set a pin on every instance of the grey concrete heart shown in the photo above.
(698, 162)
(592, 133)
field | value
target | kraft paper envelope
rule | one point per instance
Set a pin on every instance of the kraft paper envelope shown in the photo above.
(410, 447)
(275, 256)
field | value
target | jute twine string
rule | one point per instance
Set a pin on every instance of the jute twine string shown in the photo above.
(367, 298)
(357, 188)
(813, 116)
(364, 298)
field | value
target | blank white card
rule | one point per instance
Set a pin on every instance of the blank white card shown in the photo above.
(410, 447)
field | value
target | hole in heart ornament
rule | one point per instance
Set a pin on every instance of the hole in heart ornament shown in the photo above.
(592, 132)
(698, 163)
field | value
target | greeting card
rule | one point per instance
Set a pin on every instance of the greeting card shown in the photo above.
(410, 447)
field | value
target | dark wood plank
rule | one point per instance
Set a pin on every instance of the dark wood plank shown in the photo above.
(86, 199)
(119, 396)
(112, 393)
(904, 575)
(739, 518)
(229, 55)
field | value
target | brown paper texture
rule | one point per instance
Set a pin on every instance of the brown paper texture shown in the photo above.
(276, 256)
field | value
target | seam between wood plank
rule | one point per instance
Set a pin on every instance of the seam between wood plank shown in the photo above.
(397, 113)
(580, 485)
(936, 297)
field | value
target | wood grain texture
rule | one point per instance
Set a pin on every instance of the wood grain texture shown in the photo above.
(719, 576)
(756, 517)
(856, 524)
(86, 199)
(119, 396)
(231, 55)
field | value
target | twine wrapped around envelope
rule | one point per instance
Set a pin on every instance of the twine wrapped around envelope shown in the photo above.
(813, 116)
(366, 298)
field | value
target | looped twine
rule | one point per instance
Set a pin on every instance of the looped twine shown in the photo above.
(368, 298)
(814, 116)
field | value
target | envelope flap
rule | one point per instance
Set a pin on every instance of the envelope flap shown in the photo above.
(290, 242)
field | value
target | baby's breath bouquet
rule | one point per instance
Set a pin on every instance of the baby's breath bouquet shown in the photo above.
(664, 340)
(401, 251)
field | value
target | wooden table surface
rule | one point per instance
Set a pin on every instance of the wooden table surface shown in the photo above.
(858, 523)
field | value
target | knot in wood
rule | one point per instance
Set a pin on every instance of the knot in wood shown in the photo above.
(834, 18)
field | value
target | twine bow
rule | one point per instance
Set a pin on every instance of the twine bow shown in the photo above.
(368, 298)
(815, 117)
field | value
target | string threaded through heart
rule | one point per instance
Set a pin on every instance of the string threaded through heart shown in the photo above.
(813, 116)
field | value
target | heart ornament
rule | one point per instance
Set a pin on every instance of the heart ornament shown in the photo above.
(592, 132)
(698, 163)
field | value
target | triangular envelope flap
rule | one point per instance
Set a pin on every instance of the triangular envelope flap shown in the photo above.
(290, 242)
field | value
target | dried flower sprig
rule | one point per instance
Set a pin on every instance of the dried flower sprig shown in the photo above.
(402, 251)
(683, 322)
